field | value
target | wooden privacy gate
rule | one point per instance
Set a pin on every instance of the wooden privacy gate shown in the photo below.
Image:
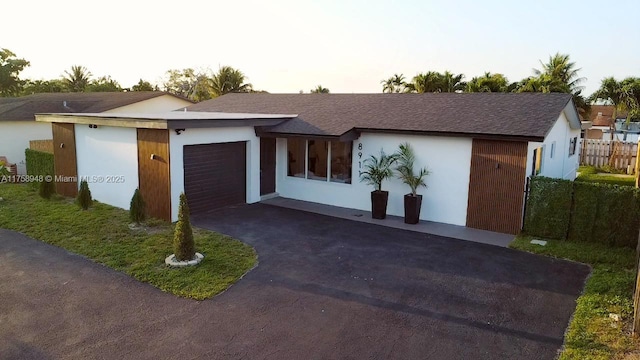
(496, 185)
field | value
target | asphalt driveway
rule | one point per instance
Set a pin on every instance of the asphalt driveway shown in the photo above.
(325, 288)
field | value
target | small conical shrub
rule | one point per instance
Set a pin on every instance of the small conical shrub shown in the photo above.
(183, 246)
(46, 189)
(84, 195)
(137, 210)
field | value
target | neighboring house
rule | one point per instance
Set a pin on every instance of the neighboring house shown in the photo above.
(240, 148)
(18, 125)
(604, 127)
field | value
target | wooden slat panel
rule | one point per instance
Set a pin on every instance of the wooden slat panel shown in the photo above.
(154, 174)
(64, 152)
(496, 186)
(214, 175)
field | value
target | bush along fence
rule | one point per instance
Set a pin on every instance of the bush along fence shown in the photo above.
(579, 211)
(38, 163)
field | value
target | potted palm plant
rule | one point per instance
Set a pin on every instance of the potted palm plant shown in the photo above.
(377, 169)
(405, 157)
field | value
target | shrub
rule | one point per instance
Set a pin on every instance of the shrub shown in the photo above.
(183, 245)
(548, 209)
(606, 214)
(84, 195)
(137, 210)
(38, 163)
(46, 189)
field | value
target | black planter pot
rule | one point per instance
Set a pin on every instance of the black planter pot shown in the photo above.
(412, 205)
(379, 201)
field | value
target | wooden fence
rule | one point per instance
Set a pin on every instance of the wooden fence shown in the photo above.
(41, 145)
(618, 154)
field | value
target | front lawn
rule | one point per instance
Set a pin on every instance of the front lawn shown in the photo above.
(102, 234)
(592, 333)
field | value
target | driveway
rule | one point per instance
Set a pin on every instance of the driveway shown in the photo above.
(325, 288)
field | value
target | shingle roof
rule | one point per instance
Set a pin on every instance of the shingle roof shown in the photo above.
(601, 115)
(528, 115)
(25, 107)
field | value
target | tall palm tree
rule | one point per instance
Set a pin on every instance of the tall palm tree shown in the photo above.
(77, 79)
(320, 90)
(623, 95)
(228, 80)
(562, 74)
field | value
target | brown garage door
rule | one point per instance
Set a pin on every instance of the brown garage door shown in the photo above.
(214, 175)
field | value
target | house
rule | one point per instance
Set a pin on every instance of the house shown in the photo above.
(605, 127)
(17, 115)
(241, 148)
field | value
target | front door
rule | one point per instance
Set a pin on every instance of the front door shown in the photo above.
(267, 166)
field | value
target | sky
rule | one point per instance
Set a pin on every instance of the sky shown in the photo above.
(348, 46)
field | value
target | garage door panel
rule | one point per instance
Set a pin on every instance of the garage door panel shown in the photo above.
(214, 175)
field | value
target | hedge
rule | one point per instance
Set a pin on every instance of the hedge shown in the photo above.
(38, 163)
(548, 209)
(581, 211)
(606, 214)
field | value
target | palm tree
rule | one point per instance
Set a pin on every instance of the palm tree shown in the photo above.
(428, 82)
(320, 90)
(228, 80)
(394, 84)
(623, 95)
(488, 83)
(452, 82)
(77, 79)
(562, 74)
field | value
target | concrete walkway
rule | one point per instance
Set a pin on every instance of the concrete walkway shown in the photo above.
(425, 227)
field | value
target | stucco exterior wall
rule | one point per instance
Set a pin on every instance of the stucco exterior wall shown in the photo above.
(15, 136)
(445, 199)
(559, 164)
(210, 136)
(154, 105)
(108, 158)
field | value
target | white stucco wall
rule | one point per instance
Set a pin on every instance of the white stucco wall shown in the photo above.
(157, 104)
(108, 158)
(561, 165)
(210, 136)
(445, 199)
(15, 136)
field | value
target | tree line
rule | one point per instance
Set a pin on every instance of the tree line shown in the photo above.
(558, 74)
(188, 83)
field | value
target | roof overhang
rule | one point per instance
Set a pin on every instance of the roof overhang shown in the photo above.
(168, 120)
(571, 112)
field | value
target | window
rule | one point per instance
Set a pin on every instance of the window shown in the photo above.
(553, 150)
(297, 155)
(572, 145)
(341, 162)
(320, 160)
(318, 157)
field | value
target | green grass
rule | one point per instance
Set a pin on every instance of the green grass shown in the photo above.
(592, 334)
(102, 234)
(627, 180)
(604, 176)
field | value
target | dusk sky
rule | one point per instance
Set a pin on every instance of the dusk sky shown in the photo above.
(284, 46)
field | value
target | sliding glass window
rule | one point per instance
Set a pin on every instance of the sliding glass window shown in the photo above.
(316, 159)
